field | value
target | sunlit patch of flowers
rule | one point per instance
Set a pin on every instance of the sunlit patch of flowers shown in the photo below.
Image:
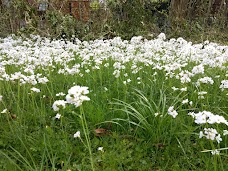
(187, 69)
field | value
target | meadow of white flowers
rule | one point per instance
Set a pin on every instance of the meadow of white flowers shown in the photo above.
(198, 70)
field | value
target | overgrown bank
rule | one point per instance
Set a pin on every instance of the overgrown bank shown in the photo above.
(188, 19)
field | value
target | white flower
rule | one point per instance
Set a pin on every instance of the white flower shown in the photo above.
(190, 103)
(58, 104)
(76, 95)
(172, 112)
(100, 149)
(200, 118)
(205, 80)
(183, 89)
(201, 134)
(218, 138)
(174, 88)
(1, 98)
(77, 134)
(202, 93)
(225, 132)
(198, 69)
(215, 152)
(162, 36)
(210, 133)
(156, 114)
(87, 70)
(208, 117)
(35, 90)
(57, 116)
(60, 94)
(224, 84)
(43, 80)
(185, 101)
(4, 111)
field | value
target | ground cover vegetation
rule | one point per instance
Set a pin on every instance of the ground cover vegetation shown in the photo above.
(114, 104)
(106, 93)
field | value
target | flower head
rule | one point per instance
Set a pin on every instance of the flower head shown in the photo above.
(35, 90)
(77, 134)
(215, 152)
(77, 95)
(100, 149)
(58, 104)
(172, 112)
(57, 116)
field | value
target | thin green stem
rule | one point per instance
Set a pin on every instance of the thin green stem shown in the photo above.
(86, 132)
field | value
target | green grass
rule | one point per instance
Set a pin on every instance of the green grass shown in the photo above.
(139, 132)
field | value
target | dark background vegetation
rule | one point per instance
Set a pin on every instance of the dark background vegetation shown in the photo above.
(195, 20)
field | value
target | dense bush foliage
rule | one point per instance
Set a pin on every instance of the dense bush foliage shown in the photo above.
(124, 18)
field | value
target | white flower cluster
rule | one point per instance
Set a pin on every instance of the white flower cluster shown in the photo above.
(198, 69)
(208, 117)
(210, 134)
(76, 96)
(205, 80)
(224, 85)
(215, 152)
(59, 104)
(171, 56)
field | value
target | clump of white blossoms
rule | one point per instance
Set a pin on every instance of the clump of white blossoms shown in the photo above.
(210, 134)
(172, 112)
(198, 69)
(58, 104)
(35, 89)
(208, 117)
(205, 80)
(215, 152)
(224, 85)
(77, 95)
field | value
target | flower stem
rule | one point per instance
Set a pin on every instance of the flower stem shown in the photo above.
(86, 132)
